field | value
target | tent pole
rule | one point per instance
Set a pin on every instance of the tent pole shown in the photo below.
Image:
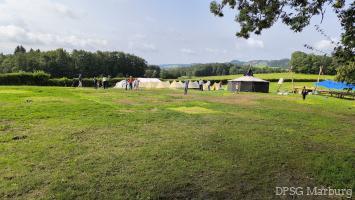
(320, 72)
(292, 76)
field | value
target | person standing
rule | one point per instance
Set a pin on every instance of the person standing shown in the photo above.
(136, 85)
(80, 81)
(209, 85)
(108, 81)
(200, 83)
(130, 82)
(104, 80)
(95, 82)
(304, 93)
(186, 87)
(126, 83)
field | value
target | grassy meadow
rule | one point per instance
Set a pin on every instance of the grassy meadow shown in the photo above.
(70, 143)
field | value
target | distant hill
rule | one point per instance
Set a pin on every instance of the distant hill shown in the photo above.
(175, 65)
(283, 63)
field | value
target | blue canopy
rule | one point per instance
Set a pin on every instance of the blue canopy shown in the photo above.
(335, 85)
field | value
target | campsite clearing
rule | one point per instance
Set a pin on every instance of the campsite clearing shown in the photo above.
(67, 143)
(276, 76)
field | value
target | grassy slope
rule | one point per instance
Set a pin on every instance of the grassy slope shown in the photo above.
(88, 144)
(269, 76)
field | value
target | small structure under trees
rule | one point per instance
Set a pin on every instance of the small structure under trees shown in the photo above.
(248, 83)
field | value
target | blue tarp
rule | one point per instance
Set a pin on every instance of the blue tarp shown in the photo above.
(335, 85)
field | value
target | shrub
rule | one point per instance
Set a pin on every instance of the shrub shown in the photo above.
(24, 78)
(43, 79)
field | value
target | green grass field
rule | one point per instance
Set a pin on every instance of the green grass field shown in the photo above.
(67, 143)
(269, 76)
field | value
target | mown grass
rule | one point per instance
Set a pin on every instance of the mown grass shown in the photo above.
(67, 143)
(270, 76)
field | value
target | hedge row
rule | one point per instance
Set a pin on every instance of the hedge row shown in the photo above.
(86, 82)
(24, 78)
(43, 79)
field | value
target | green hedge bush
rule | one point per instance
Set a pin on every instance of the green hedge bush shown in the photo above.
(24, 78)
(43, 79)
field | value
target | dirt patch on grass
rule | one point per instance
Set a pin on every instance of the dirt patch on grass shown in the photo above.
(238, 99)
(126, 111)
(49, 99)
(126, 101)
(247, 100)
(194, 110)
(10, 91)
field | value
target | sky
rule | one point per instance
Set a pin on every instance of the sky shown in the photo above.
(160, 31)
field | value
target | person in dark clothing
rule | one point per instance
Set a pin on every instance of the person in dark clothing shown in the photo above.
(304, 93)
(200, 83)
(186, 87)
(95, 82)
(104, 82)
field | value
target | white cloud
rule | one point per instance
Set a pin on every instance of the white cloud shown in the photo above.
(250, 43)
(326, 44)
(139, 42)
(139, 36)
(142, 46)
(187, 51)
(18, 35)
(216, 51)
(64, 10)
(255, 43)
(35, 8)
(150, 19)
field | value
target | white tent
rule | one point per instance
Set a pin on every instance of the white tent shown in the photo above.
(216, 86)
(148, 82)
(162, 85)
(176, 85)
(181, 84)
(194, 85)
(121, 84)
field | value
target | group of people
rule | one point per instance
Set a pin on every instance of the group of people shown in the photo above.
(208, 84)
(101, 83)
(131, 83)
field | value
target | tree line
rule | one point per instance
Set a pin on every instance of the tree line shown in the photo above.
(311, 63)
(60, 63)
(300, 62)
(214, 69)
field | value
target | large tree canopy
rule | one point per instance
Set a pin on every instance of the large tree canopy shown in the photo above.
(256, 15)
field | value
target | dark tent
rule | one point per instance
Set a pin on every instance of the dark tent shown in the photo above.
(248, 84)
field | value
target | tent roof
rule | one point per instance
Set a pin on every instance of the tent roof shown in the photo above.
(149, 80)
(248, 79)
